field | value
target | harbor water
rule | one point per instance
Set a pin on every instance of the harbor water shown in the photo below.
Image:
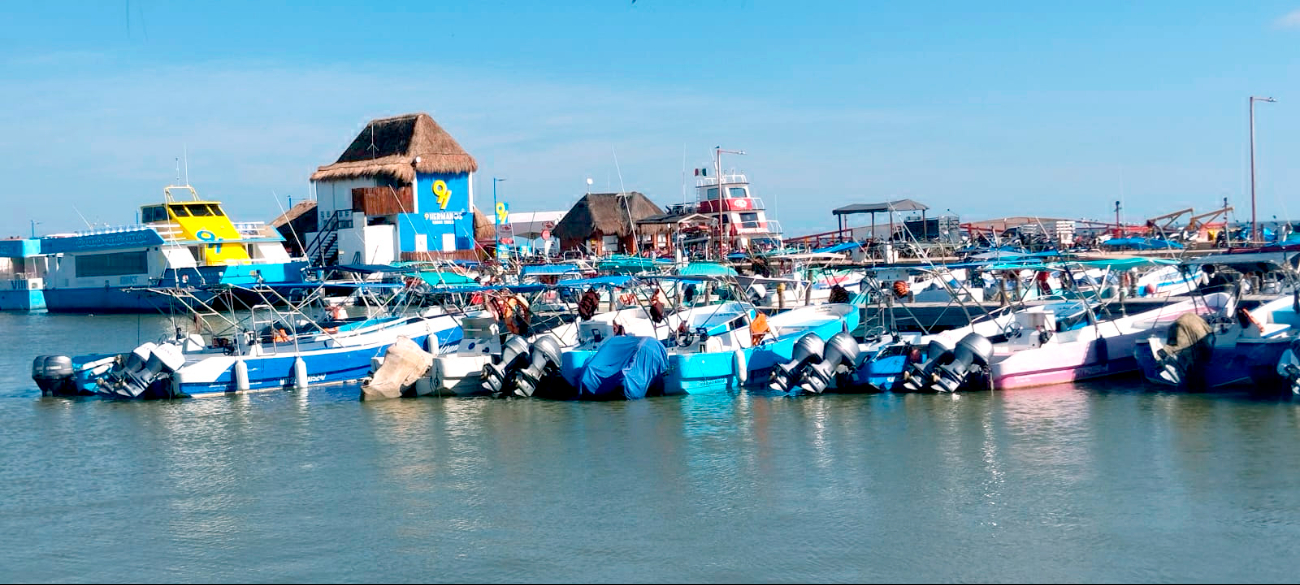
(1098, 482)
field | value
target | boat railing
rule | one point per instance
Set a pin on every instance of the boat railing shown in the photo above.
(770, 226)
(730, 179)
(115, 230)
(250, 228)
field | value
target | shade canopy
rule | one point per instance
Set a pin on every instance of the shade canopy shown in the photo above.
(888, 206)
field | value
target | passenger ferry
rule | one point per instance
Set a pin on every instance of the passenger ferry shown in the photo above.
(185, 242)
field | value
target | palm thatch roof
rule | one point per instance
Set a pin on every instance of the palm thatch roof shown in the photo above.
(606, 213)
(295, 212)
(388, 146)
(484, 228)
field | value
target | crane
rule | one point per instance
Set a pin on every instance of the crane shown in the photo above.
(1161, 224)
(1194, 224)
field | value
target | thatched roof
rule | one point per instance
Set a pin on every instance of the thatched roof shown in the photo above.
(484, 227)
(302, 207)
(387, 147)
(606, 213)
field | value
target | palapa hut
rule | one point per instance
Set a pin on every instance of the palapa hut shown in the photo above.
(402, 190)
(603, 223)
(294, 224)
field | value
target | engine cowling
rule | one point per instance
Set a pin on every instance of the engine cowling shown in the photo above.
(841, 357)
(807, 350)
(514, 355)
(919, 376)
(544, 357)
(973, 351)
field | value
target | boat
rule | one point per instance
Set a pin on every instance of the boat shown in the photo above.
(272, 349)
(181, 242)
(1241, 347)
(1064, 342)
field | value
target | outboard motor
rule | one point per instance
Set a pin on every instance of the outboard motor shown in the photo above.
(544, 358)
(918, 377)
(807, 350)
(514, 353)
(1288, 366)
(53, 374)
(973, 352)
(841, 357)
(146, 373)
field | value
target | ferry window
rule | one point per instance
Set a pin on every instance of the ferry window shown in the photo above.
(216, 210)
(199, 210)
(736, 192)
(711, 194)
(90, 265)
(748, 217)
(179, 211)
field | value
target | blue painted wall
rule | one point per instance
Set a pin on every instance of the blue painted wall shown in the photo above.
(443, 201)
(20, 248)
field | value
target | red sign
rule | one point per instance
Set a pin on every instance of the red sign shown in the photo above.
(740, 203)
(546, 233)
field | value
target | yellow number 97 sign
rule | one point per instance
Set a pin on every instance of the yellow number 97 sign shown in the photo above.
(502, 213)
(442, 192)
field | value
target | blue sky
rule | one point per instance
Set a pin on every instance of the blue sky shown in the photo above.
(1014, 108)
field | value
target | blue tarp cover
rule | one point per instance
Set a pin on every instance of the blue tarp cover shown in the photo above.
(634, 364)
(837, 248)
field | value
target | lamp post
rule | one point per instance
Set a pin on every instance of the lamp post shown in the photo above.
(496, 234)
(1254, 226)
(34, 222)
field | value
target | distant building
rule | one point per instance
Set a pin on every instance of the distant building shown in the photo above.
(403, 190)
(603, 223)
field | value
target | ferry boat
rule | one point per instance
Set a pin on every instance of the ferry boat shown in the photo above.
(182, 242)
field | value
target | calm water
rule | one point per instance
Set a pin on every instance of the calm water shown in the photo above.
(1099, 483)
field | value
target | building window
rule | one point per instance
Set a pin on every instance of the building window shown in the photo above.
(92, 265)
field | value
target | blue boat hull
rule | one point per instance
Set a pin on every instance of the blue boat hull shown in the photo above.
(711, 373)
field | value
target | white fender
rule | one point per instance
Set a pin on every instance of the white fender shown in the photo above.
(742, 369)
(241, 376)
(299, 374)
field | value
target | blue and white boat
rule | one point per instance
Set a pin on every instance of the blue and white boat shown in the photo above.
(250, 358)
(1239, 347)
(181, 242)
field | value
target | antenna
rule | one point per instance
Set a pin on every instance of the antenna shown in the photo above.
(83, 218)
(185, 151)
(622, 192)
(178, 171)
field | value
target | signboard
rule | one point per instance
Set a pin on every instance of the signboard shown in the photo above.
(503, 213)
(546, 233)
(444, 204)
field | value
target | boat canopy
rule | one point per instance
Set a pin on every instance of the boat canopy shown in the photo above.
(706, 269)
(838, 248)
(550, 269)
(1142, 243)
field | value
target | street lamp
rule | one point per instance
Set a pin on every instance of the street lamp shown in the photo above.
(1253, 225)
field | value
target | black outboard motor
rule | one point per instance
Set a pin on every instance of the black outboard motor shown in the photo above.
(919, 376)
(514, 354)
(841, 357)
(972, 353)
(544, 359)
(53, 374)
(807, 350)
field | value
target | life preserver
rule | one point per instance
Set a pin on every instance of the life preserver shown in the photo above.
(627, 298)
(588, 304)
(900, 288)
(658, 306)
(758, 329)
(280, 336)
(1251, 318)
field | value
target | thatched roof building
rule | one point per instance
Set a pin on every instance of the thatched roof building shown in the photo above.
(598, 215)
(386, 148)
